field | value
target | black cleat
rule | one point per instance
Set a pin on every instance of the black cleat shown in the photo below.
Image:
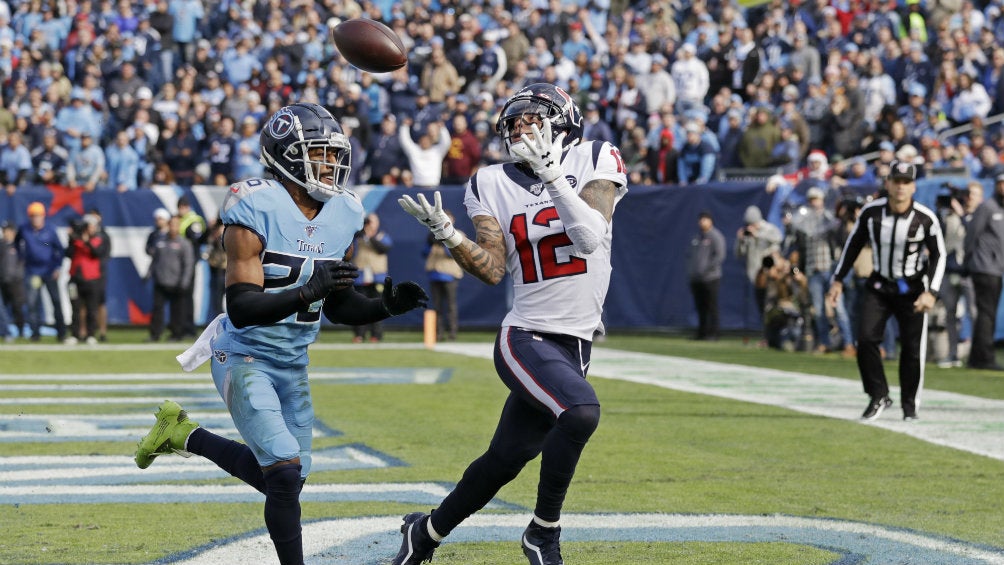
(541, 545)
(910, 416)
(417, 546)
(875, 407)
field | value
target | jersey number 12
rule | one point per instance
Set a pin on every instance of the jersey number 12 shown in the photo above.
(546, 252)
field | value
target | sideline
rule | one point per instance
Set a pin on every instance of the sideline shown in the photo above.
(954, 420)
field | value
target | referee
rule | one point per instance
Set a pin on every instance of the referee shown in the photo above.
(904, 284)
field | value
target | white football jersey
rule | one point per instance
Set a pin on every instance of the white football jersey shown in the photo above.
(555, 291)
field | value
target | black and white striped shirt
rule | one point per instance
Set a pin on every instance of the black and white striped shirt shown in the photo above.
(898, 242)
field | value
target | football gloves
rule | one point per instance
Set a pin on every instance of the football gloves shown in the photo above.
(328, 276)
(434, 218)
(403, 297)
(542, 153)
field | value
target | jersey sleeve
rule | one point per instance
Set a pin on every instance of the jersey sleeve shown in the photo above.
(609, 164)
(473, 200)
(246, 205)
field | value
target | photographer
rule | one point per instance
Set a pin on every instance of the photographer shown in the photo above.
(955, 208)
(86, 249)
(755, 241)
(984, 261)
(787, 302)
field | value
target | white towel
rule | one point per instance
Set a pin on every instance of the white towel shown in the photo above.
(202, 349)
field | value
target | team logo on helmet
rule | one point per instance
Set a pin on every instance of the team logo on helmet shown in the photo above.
(281, 123)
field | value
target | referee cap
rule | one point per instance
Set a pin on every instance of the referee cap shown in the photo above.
(901, 170)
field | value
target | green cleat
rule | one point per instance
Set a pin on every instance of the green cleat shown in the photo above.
(168, 435)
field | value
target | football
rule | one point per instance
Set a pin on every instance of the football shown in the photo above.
(369, 45)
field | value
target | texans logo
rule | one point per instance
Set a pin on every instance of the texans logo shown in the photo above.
(281, 123)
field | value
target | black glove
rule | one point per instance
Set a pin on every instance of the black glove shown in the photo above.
(328, 276)
(403, 297)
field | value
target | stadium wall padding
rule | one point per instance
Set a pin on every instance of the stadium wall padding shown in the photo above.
(653, 227)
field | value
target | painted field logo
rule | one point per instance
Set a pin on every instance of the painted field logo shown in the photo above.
(371, 541)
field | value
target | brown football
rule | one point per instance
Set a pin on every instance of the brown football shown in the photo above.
(369, 45)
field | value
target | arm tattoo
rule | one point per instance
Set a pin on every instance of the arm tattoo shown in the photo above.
(484, 259)
(599, 194)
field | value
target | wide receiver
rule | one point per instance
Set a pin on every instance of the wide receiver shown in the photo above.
(285, 238)
(546, 219)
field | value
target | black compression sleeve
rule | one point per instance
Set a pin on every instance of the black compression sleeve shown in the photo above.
(353, 309)
(249, 305)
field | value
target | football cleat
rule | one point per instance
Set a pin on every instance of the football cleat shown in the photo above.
(875, 407)
(541, 545)
(417, 545)
(167, 436)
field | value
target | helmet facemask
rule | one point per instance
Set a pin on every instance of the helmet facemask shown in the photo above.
(533, 104)
(334, 153)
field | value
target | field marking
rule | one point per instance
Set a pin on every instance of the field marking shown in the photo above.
(370, 541)
(354, 375)
(950, 419)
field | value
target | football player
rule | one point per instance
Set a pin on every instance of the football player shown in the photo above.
(286, 240)
(545, 218)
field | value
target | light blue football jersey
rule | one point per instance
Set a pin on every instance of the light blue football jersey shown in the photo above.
(292, 245)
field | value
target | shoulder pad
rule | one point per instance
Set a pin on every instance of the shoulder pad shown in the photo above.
(244, 189)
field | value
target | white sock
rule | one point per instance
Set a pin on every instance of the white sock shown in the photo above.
(432, 532)
(545, 523)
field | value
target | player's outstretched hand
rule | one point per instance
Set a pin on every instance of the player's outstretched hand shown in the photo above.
(403, 297)
(328, 276)
(433, 216)
(542, 153)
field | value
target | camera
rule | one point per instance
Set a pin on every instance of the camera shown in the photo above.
(948, 192)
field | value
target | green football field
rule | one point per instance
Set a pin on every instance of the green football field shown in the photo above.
(670, 477)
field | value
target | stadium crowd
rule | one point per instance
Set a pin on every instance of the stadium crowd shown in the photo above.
(123, 94)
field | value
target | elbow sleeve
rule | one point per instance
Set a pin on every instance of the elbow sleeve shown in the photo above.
(249, 305)
(584, 225)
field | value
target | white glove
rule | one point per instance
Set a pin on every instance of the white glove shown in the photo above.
(541, 153)
(434, 218)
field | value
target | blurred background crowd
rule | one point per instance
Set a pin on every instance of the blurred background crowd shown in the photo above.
(119, 95)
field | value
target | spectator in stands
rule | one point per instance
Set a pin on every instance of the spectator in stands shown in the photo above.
(704, 272)
(729, 139)
(15, 162)
(384, 152)
(73, 120)
(49, 160)
(11, 280)
(759, 139)
(425, 158)
(971, 100)
(464, 154)
(697, 158)
(182, 154)
(785, 154)
(595, 129)
(86, 169)
(122, 164)
(246, 164)
(690, 76)
(439, 75)
(222, 145)
(42, 252)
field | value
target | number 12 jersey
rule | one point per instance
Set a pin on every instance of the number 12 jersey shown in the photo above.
(555, 290)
